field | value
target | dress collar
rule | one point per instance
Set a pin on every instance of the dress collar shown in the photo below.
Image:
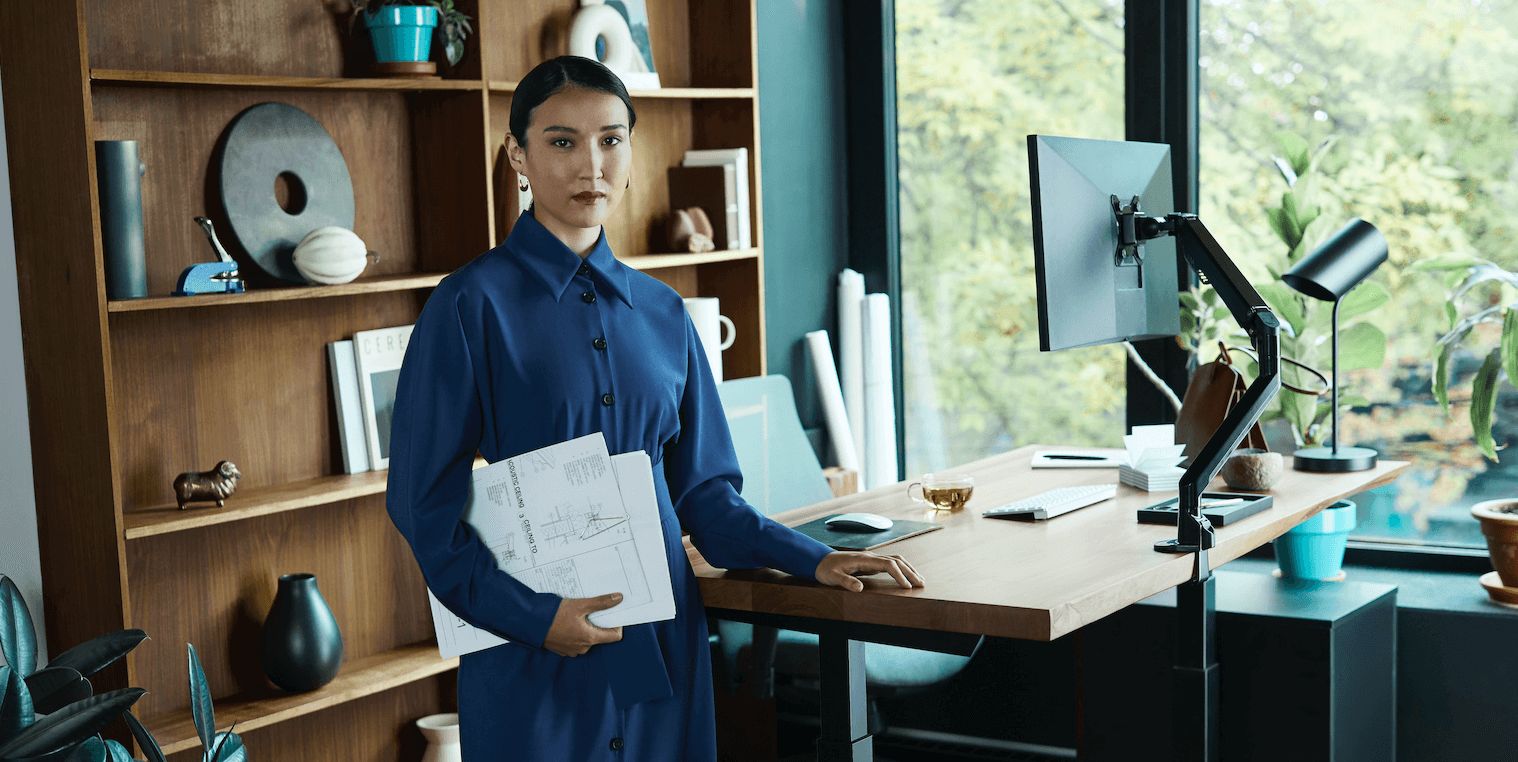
(555, 265)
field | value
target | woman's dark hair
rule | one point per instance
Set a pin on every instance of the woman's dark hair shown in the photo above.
(555, 74)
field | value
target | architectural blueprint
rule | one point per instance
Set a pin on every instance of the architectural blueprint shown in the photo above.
(569, 519)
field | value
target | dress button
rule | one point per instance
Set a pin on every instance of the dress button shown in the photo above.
(607, 399)
(588, 296)
(584, 269)
(616, 744)
(599, 343)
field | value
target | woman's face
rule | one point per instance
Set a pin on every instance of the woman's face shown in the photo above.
(578, 157)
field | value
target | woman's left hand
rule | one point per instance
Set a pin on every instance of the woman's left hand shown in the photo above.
(842, 569)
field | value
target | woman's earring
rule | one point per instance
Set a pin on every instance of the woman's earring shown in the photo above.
(522, 183)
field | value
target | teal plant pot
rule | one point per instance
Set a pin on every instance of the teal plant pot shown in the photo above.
(1314, 549)
(402, 33)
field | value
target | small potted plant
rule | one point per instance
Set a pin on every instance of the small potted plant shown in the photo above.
(1476, 312)
(402, 33)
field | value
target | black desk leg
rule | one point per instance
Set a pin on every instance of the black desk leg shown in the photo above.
(1196, 670)
(845, 733)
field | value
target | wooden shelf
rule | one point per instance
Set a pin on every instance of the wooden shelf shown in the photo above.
(660, 261)
(257, 501)
(171, 78)
(372, 286)
(261, 708)
(504, 86)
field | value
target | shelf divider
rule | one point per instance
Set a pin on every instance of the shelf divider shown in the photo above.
(405, 282)
(661, 261)
(255, 501)
(508, 86)
(267, 706)
(174, 78)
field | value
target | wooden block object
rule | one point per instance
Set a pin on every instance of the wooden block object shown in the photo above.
(844, 481)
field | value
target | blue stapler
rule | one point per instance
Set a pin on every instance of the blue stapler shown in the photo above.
(219, 277)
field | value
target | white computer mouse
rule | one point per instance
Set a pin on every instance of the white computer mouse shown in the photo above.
(858, 522)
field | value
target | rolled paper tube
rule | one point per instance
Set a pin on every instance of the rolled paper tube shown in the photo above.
(119, 173)
(879, 392)
(851, 359)
(832, 400)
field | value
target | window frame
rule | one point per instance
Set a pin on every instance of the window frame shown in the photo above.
(1161, 91)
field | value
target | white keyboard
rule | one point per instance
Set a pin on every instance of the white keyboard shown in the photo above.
(1047, 505)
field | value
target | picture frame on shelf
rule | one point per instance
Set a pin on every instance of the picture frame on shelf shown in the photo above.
(348, 401)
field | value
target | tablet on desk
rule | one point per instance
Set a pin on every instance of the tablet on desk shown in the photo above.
(900, 530)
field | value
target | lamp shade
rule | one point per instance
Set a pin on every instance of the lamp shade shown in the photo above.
(1340, 263)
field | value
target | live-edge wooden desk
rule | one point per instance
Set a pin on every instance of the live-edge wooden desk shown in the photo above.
(1011, 579)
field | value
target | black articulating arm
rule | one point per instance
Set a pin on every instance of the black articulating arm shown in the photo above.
(1194, 533)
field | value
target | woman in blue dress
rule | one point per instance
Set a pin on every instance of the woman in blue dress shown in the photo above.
(547, 338)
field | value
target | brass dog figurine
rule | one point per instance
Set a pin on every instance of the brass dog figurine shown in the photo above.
(216, 484)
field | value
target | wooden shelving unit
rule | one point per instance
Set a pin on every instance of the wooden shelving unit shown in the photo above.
(126, 394)
(363, 677)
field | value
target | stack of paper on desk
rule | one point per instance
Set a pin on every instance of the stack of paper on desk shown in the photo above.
(561, 521)
(1152, 458)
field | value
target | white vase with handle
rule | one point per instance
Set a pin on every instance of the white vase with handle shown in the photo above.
(442, 734)
(706, 313)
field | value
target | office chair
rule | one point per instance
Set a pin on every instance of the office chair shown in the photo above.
(781, 472)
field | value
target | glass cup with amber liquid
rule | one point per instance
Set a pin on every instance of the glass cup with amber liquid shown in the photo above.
(944, 491)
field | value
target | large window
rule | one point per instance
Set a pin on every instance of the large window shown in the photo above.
(973, 78)
(1419, 98)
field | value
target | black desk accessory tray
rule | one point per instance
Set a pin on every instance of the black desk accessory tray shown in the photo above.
(1223, 515)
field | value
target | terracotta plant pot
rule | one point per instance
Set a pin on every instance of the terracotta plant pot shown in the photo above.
(1499, 522)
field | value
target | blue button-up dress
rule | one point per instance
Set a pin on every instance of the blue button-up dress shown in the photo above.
(524, 347)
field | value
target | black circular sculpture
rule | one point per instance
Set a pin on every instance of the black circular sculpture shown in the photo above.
(264, 142)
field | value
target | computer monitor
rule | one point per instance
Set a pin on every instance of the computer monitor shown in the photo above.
(1091, 290)
(1105, 239)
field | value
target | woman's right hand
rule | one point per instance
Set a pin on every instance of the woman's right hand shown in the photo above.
(572, 634)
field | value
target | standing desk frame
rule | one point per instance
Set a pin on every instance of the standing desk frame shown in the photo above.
(1011, 579)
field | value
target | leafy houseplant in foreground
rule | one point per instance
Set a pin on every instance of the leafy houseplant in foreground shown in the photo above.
(51, 714)
(1470, 281)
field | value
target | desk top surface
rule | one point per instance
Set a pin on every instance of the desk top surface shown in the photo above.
(1029, 580)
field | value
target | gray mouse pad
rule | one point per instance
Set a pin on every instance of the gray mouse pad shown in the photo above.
(900, 530)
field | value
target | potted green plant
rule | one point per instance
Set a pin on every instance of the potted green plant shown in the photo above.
(51, 713)
(402, 30)
(1315, 548)
(1481, 315)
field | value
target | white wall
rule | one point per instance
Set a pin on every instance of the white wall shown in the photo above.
(18, 513)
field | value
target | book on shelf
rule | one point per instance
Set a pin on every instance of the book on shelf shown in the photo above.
(378, 356)
(737, 158)
(713, 189)
(350, 410)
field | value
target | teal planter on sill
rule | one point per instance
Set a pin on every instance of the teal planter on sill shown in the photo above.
(1314, 549)
(402, 33)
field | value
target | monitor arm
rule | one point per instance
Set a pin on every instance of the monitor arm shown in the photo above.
(1194, 533)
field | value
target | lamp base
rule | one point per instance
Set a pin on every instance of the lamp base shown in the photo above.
(1325, 460)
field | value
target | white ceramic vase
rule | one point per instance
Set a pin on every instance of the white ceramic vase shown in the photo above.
(442, 734)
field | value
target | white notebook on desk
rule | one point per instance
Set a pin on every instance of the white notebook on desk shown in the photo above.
(569, 519)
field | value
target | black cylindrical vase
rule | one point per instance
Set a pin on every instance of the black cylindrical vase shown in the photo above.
(119, 173)
(301, 648)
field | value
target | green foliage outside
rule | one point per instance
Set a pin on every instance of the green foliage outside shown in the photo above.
(1421, 96)
(973, 80)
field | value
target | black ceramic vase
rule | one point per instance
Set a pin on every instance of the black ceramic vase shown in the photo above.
(300, 647)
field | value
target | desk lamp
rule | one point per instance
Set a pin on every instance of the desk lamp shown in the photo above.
(1330, 272)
